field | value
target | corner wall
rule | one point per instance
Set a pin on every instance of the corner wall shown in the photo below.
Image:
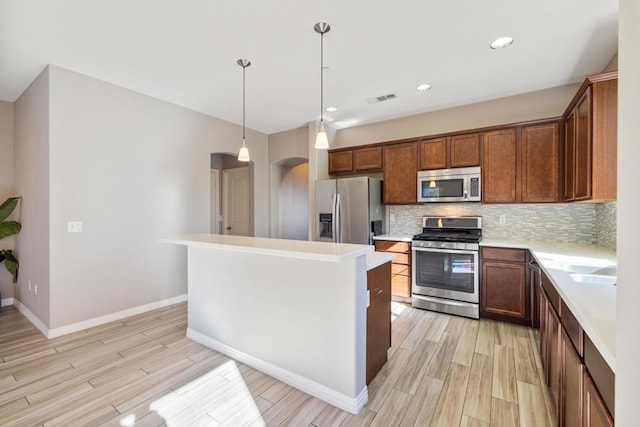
(6, 186)
(628, 205)
(133, 169)
(31, 165)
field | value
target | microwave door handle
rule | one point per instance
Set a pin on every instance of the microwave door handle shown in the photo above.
(465, 189)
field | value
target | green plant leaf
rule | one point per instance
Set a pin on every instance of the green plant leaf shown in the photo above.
(8, 206)
(9, 228)
(10, 262)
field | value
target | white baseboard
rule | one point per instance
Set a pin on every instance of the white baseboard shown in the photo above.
(5, 302)
(96, 321)
(329, 395)
(101, 320)
(31, 317)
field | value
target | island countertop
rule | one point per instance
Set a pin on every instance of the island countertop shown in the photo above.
(301, 249)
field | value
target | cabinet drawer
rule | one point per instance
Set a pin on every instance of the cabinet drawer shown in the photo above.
(401, 285)
(554, 296)
(402, 269)
(402, 259)
(573, 328)
(393, 246)
(503, 254)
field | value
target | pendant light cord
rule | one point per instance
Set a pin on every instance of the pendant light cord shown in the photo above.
(321, 76)
(244, 70)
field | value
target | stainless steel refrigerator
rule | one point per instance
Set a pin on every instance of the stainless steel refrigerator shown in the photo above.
(349, 210)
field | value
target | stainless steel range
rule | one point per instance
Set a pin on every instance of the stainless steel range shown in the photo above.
(445, 265)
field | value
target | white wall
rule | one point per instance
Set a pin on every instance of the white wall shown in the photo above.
(290, 201)
(31, 166)
(6, 185)
(134, 169)
(526, 106)
(628, 313)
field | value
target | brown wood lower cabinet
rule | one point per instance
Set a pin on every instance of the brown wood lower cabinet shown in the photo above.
(553, 367)
(575, 397)
(400, 268)
(572, 376)
(378, 318)
(594, 412)
(504, 289)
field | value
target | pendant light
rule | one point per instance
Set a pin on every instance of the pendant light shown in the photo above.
(243, 155)
(322, 142)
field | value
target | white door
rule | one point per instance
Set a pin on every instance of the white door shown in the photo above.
(215, 201)
(235, 201)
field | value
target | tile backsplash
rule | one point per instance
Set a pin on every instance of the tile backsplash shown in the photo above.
(560, 222)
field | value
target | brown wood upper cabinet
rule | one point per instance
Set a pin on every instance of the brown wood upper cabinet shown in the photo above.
(450, 152)
(590, 151)
(400, 171)
(521, 164)
(365, 159)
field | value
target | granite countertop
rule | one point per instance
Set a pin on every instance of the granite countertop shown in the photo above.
(593, 305)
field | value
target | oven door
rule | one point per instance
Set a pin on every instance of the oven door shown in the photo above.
(446, 273)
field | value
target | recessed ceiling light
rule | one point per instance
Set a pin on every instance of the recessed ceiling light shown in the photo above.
(501, 43)
(331, 109)
(423, 87)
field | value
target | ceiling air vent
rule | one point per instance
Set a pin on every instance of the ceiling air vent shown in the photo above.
(377, 99)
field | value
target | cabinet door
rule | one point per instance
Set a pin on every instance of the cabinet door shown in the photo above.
(543, 337)
(378, 318)
(594, 412)
(572, 375)
(499, 178)
(504, 289)
(464, 150)
(540, 163)
(553, 358)
(366, 159)
(433, 154)
(340, 162)
(583, 147)
(400, 174)
(570, 157)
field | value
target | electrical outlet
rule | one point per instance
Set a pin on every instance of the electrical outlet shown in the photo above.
(74, 227)
(29, 286)
(392, 217)
(35, 289)
(502, 219)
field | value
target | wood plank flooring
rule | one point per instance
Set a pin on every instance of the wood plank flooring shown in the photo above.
(443, 371)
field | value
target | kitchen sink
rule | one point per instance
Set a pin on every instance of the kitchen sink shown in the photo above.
(574, 268)
(599, 279)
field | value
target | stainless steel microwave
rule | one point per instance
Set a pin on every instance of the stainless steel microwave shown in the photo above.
(450, 185)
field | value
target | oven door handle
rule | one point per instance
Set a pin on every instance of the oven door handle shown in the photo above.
(451, 251)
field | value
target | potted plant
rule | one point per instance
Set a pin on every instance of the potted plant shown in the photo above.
(9, 228)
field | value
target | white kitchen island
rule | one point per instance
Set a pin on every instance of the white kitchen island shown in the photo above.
(294, 310)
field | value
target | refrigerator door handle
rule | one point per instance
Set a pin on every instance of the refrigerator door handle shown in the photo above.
(338, 220)
(334, 219)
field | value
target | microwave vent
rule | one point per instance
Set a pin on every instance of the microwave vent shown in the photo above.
(382, 98)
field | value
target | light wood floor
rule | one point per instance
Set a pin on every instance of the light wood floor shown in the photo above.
(442, 371)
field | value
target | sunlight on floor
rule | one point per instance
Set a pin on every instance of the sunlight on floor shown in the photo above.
(396, 309)
(221, 392)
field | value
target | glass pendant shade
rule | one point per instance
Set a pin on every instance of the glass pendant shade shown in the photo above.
(243, 155)
(322, 142)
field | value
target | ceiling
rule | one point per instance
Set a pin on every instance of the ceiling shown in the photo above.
(185, 52)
